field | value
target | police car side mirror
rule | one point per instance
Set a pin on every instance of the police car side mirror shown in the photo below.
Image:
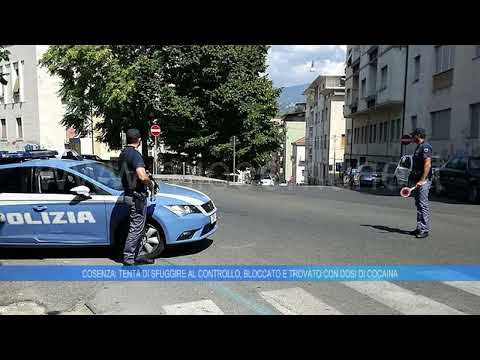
(81, 191)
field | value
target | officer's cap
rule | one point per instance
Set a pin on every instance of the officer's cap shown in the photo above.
(133, 134)
(419, 131)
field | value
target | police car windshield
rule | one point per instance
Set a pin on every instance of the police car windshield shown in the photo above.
(101, 173)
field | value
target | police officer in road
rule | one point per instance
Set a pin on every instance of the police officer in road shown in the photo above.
(135, 181)
(422, 177)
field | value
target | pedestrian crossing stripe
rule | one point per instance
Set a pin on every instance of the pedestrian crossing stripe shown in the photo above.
(298, 301)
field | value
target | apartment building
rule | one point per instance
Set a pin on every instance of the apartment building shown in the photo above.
(443, 96)
(31, 110)
(298, 161)
(374, 92)
(293, 129)
(325, 137)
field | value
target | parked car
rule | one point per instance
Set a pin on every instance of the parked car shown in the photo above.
(460, 175)
(403, 173)
(267, 180)
(387, 175)
(366, 176)
(348, 177)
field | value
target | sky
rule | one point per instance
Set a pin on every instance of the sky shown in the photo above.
(290, 64)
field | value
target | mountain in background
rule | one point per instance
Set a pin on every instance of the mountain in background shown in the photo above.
(289, 97)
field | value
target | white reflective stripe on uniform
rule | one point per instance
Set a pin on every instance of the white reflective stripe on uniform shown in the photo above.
(400, 299)
(203, 307)
(472, 287)
(296, 301)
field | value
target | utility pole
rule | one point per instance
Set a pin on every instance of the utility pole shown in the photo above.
(404, 98)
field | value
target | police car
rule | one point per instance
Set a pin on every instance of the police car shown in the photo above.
(45, 201)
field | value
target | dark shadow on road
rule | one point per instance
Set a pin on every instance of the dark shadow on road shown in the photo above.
(94, 253)
(186, 249)
(388, 229)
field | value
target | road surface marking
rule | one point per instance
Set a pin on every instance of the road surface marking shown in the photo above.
(472, 287)
(203, 307)
(400, 299)
(296, 301)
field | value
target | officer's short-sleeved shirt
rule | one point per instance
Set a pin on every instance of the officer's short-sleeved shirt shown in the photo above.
(422, 152)
(129, 160)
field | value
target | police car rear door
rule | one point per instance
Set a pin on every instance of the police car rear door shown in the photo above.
(16, 201)
(67, 218)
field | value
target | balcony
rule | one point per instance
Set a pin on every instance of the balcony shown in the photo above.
(442, 80)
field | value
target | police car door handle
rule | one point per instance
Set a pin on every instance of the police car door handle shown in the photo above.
(39, 208)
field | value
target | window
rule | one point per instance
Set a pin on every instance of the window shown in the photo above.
(474, 120)
(384, 77)
(444, 58)
(392, 130)
(407, 163)
(15, 180)
(348, 96)
(380, 132)
(374, 133)
(57, 181)
(364, 88)
(398, 129)
(452, 164)
(413, 120)
(2, 92)
(19, 128)
(416, 68)
(385, 131)
(441, 124)
(16, 84)
(325, 142)
(3, 130)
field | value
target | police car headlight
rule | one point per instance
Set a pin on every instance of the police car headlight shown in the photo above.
(182, 210)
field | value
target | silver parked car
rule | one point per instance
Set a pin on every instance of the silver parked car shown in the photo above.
(366, 176)
(402, 175)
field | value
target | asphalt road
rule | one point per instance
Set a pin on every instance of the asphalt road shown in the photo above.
(303, 225)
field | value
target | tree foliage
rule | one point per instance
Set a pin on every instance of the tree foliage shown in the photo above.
(201, 95)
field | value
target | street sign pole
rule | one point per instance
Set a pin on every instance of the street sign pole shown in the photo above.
(155, 158)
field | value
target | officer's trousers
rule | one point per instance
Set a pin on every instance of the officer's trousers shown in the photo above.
(423, 207)
(136, 232)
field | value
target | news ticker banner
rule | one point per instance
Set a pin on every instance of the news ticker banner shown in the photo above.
(240, 273)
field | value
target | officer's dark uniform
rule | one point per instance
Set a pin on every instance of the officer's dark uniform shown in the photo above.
(422, 152)
(136, 196)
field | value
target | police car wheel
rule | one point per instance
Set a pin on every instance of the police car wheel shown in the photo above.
(153, 242)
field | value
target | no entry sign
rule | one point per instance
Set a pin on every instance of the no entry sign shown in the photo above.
(406, 139)
(155, 130)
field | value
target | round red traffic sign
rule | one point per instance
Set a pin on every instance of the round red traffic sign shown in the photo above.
(406, 139)
(155, 130)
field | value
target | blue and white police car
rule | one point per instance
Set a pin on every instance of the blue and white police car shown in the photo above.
(45, 201)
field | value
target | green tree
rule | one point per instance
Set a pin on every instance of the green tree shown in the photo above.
(200, 95)
(220, 91)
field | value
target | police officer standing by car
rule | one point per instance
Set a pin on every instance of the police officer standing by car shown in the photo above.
(422, 176)
(135, 181)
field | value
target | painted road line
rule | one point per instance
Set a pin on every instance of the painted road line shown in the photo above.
(296, 301)
(400, 299)
(472, 287)
(203, 307)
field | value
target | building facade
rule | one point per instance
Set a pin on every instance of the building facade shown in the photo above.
(30, 110)
(374, 91)
(293, 129)
(442, 95)
(325, 129)
(298, 161)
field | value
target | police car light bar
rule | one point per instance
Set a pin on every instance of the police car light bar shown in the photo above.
(19, 156)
